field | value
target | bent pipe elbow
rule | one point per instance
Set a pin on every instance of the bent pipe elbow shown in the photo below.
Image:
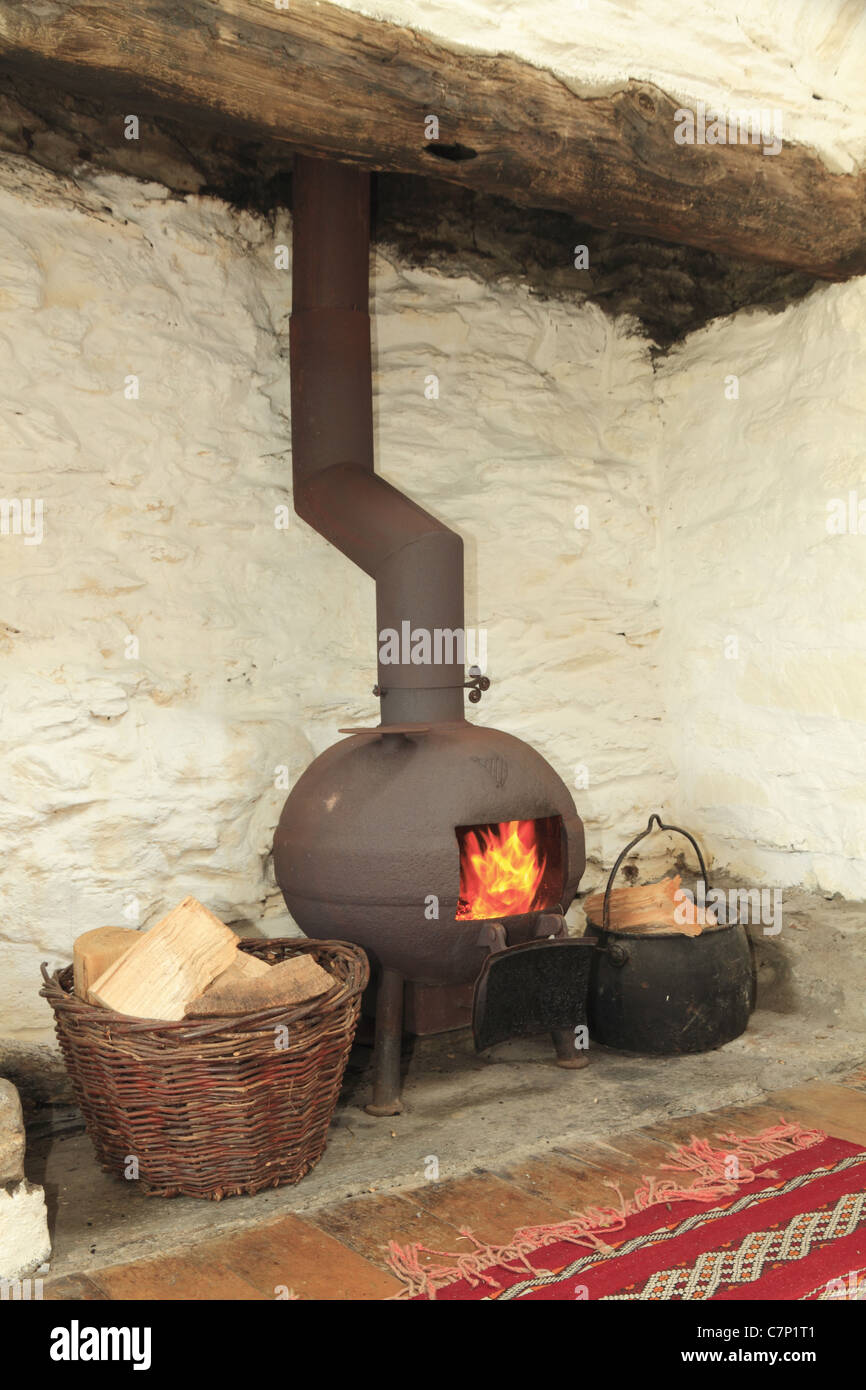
(417, 563)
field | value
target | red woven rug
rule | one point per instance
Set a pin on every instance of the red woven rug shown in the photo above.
(778, 1216)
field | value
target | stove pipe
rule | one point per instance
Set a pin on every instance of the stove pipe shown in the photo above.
(417, 562)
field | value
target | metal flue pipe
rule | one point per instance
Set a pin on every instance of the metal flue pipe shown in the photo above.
(417, 562)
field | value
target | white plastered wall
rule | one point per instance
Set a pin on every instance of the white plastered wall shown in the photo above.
(134, 775)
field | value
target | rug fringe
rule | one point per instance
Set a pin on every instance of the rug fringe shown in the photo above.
(714, 1178)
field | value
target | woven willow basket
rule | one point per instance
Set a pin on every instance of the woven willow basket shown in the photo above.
(217, 1107)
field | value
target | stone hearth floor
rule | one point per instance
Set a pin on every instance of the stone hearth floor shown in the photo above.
(478, 1114)
(337, 1250)
(484, 1117)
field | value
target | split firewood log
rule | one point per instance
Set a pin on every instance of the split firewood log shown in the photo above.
(168, 965)
(291, 982)
(244, 967)
(648, 909)
(94, 951)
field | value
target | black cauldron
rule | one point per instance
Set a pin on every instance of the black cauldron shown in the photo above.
(668, 993)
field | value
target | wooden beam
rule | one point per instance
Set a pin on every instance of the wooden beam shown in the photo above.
(326, 81)
(672, 289)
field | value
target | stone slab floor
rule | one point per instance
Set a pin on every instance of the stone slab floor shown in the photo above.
(471, 1112)
(338, 1250)
(484, 1114)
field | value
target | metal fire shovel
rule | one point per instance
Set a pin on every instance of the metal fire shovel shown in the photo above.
(540, 986)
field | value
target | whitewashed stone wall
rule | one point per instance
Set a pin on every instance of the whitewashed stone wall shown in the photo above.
(764, 607)
(766, 747)
(137, 771)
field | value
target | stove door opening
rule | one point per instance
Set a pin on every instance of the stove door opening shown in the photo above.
(509, 867)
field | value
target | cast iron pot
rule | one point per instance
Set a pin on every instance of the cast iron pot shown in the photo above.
(668, 993)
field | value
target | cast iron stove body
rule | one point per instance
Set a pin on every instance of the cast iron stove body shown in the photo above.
(383, 838)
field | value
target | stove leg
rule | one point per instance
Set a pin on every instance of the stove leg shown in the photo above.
(567, 1055)
(386, 1049)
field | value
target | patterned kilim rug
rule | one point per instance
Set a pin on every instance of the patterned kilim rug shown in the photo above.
(778, 1216)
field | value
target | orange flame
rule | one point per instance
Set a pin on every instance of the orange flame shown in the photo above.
(500, 871)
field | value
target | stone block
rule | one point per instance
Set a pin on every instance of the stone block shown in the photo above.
(12, 1141)
(24, 1240)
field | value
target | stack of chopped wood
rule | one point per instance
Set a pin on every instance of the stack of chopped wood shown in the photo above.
(187, 966)
(648, 909)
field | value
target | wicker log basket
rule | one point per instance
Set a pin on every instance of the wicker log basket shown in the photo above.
(215, 1108)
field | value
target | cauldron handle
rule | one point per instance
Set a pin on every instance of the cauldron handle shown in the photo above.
(605, 912)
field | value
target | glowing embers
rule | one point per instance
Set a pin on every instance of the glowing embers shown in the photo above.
(509, 868)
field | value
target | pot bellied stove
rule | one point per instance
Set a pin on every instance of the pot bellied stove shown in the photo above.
(444, 848)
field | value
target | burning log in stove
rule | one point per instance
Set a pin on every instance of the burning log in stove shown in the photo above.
(509, 869)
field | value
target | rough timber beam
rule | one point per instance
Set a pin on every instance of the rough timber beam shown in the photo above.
(326, 81)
